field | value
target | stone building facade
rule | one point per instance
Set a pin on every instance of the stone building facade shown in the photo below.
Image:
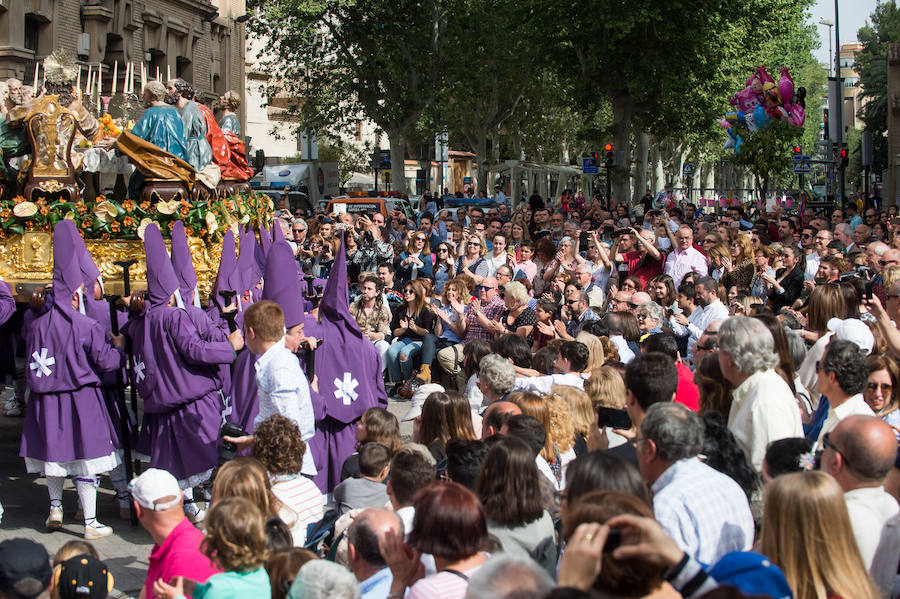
(198, 40)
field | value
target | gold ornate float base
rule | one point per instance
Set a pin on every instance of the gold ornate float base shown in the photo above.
(26, 262)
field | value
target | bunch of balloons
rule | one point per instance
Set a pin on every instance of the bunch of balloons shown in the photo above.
(761, 101)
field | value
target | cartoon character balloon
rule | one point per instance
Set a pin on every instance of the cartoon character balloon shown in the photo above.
(759, 102)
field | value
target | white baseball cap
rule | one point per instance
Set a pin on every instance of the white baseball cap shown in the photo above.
(153, 485)
(855, 330)
(418, 400)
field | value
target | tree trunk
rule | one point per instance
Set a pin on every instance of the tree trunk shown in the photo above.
(397, 140)
(642, 152)
(657, 174)
(623, 110)
(709, 179)
(481, 160)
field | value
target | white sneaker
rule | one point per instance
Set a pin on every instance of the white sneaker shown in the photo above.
(14, 408)
(95, 530)
(55, 519)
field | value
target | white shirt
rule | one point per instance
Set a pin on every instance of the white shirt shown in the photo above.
(854, 405)
(543, 385)
(812, 266)
(625, 353)
(763, 410)
(874, 517)
(283, 389)
(807, 371)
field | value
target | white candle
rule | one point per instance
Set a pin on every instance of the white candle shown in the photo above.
(157, 73)
(131, 79)
(78, 81)
(168, 73)
(35, 85)
(143, 78)
(115, 77)
(99, 80)
(87, 84)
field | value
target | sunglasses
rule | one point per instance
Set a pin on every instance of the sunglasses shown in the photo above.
(442, 250)
(709, 347)
(420, 239)
(476, 244)
(408, 291)
(886, 388)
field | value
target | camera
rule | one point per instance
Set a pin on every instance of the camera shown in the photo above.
(228, 449)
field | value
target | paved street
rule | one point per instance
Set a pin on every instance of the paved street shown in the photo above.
(25, 505)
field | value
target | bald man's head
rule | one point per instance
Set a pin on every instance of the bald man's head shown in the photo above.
(640, 298)
(868, 446)
(368, 531)
(495, 416)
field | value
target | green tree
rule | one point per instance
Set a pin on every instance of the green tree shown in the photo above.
(337, 61)
(871, 64)
(767, 155)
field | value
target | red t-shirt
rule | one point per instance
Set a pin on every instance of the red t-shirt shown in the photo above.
(646, 271)
(179, 555)
(687, 393)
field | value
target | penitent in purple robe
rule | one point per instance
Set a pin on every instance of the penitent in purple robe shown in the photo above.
(227, 266)
(7, 303)
(350, 382)
(177, 375)
(207, 328)
(67, 430)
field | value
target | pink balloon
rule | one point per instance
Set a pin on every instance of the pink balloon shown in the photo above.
(764, 76)
(785, 86)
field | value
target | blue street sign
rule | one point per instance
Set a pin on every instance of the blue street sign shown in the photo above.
(801, 167)
(688, 169)
(588, 167)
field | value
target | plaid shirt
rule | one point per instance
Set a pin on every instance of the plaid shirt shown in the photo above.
(491, 311)
(705, 511)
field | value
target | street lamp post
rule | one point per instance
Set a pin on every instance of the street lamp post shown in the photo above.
(840, 98)
(828, 23)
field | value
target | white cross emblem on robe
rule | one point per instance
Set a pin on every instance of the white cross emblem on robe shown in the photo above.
(138, 370)
(345, 390)
(41, 365)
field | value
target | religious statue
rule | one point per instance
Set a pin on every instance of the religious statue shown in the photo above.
(199, 152)
(51, 122)
(12, 139)
(239, 169)
(162, 127)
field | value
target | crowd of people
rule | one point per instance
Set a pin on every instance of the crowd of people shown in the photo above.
(653, 402)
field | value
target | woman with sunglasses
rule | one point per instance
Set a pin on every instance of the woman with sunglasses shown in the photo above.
(412, 320)
(443, 268)
(416, 260)
(471, 258)
(739, 266)
(880, 392)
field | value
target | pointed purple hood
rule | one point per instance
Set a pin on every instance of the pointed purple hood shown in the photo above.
(277, 233)
(227, 266)
(259, 250)
(182, 263)
(265, 240)
(335, 304)
(281, 287)
(161, 279)
(67, 256)
(246, 275)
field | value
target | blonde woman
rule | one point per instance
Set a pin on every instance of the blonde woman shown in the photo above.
(739, 266)
(595, 347)
(471, 258)
(806, 532)
(581, 411)
(606, 389)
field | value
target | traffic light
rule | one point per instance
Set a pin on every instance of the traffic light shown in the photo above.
(610, 157)
(797, 150)
(595, 156)
(845, 156)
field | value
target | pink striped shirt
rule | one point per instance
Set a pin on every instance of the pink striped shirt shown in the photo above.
(442, 585)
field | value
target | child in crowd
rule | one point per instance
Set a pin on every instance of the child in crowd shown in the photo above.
(543, 331)
(369, 489)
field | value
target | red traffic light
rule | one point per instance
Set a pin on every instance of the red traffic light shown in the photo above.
(595, 155)
(797, 150)
(844, 152)
(608, 147)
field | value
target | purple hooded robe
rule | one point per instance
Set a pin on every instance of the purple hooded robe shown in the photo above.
(350, 382)
(67, 429)
(177, 375)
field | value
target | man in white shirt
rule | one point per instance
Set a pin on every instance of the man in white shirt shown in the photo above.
(841, 377)
(808, 243)
(685, 257)
(859, 452)
(570, 363)
(280, 382)
(763, 408)
(704, 511)
(710, 308)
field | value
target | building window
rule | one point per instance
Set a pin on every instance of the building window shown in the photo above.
(851, 81)
(847, 63)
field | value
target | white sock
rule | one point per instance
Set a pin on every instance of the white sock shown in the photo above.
(190, 508)
(87, 493)
(55, 489)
